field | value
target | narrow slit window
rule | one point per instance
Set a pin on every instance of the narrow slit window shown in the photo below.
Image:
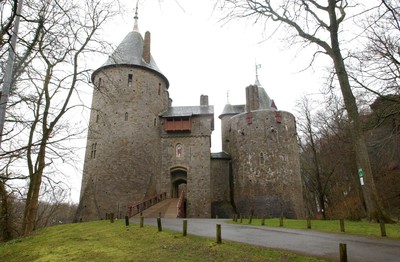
(159, 88)
(93, 151)
(155, 121)
(126, 116)
(99, 83)
(97, 118)
(130, 78)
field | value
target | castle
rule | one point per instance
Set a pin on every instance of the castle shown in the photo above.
(139, 145)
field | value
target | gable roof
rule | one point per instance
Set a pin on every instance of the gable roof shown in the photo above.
(182, 111)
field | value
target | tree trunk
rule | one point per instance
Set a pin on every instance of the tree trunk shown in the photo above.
(373, 203)
(321, 193)
(5, 214)
(32, 200)
(32, 204)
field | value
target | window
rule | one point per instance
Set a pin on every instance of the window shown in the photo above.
(155, 121)
(99, 83)
(262, 159)
(159, 88)
(93, 151)
(178, 150)
(126, 116)
(178, 124)
(97, 118)
(130, 77)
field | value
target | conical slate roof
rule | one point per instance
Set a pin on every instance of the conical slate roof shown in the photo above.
(130, 53)
(232, 110)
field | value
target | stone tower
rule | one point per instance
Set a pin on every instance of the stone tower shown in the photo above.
(264, 154)
(123, 153)
(186, 142)
(140, 146)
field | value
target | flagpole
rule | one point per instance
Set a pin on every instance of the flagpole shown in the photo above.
(9, 70)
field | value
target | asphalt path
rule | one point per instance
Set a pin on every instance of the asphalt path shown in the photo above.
(308, 242)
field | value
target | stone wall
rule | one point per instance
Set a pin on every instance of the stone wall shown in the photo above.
(266, 167)
(194, 160)
(123, 159)
(220, 188)
(225, 134)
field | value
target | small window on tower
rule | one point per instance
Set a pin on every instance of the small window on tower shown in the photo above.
(93, 151)
(262, 159)
(126, 116)
(178, 150)
(99, 83)
(130, 77)
(155, 121)
(159, 88)
(97, 118)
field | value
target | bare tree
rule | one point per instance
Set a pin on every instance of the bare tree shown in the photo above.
(376, 66)
(318, 23)
(48, 88)
(5, 213)
(309, 135)
(8, 10)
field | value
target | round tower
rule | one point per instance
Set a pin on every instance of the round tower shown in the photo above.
(123, 152)
(225, 116)
(265, 157)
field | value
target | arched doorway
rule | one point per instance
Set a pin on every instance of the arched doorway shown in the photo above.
(178, 181)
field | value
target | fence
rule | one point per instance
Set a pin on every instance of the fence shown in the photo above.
(144, 204)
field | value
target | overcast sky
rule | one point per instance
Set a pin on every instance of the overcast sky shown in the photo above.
(200, 54)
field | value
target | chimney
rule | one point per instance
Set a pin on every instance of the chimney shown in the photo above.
(203, 100)
(146, 47)
(252, 98)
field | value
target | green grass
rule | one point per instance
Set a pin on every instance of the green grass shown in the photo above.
(105, 241)
(333, 226)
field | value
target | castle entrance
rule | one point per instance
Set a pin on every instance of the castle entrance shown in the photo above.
(178, 182)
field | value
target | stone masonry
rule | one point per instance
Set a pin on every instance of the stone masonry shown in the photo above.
(140, 145)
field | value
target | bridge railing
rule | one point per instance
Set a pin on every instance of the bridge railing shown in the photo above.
(181, 205)
(146, 203)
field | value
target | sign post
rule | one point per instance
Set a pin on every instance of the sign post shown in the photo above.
(361, 176)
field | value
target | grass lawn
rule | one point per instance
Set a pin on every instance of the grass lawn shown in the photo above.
(105, 241)
(333, 226)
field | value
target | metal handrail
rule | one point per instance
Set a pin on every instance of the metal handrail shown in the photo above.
(180, 206)
(144, 204)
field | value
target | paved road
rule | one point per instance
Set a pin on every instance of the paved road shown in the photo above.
(309, 242)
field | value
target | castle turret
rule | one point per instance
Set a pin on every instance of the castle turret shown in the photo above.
(225, 116)
(257, 98)
(123, 156)
(265, 156)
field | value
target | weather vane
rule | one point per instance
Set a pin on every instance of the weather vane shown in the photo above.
(258, 66)
(135, 26)
(136, 10)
